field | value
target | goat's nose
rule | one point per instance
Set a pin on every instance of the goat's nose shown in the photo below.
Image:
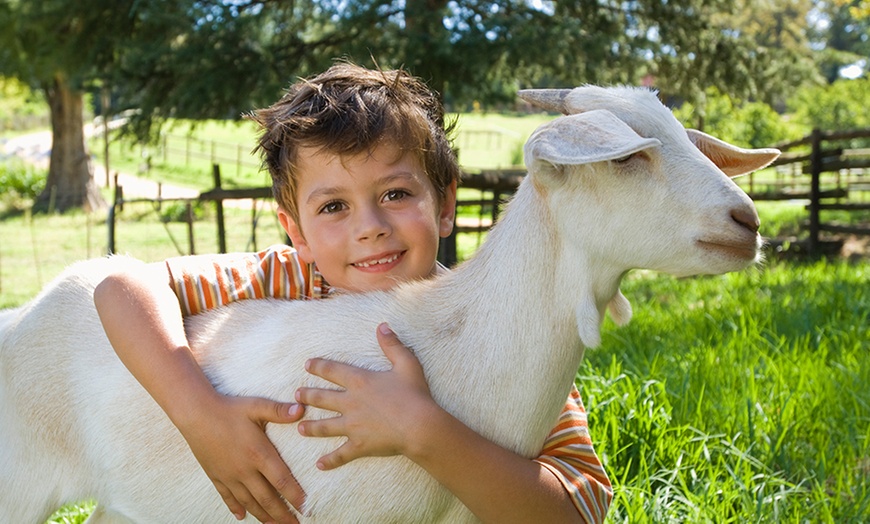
(746, 218)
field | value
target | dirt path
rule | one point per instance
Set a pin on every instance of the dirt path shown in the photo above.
(35, 149)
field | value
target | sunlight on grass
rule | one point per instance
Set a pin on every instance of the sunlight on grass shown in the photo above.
(737, 398)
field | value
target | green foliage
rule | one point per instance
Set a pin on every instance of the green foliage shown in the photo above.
(838, 106)
(20, 181)
(782, 219)
(737, 398)
(20, 107)
(178, 211)
(751, 124)
(761, 126)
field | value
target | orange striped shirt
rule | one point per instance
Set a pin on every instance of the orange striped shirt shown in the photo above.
(568, 453)
(209, 281)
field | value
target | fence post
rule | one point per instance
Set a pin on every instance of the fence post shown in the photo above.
(815, 191)
(111, 218)
(253, 224)
(219, 206)
(238, 160)
(104, 100)
(189, 220)
(447, 249)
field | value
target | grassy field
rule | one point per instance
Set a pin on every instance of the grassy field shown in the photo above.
(735, 398)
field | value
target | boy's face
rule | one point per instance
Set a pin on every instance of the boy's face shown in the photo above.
(369, 221)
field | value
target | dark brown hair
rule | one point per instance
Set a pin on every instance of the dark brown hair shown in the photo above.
(347, 110)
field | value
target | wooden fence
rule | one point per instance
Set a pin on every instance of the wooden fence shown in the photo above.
(822, 169)
(496, 186)
(816, 168)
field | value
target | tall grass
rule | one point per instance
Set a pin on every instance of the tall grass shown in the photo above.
(737, 398)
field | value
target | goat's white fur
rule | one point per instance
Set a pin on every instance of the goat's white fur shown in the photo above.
(500, 338)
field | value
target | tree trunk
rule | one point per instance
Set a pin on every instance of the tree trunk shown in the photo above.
(70, 182)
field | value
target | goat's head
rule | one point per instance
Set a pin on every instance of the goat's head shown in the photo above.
(633, 174)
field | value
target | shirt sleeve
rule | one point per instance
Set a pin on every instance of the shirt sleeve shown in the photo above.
(568, 453)
(208, 281)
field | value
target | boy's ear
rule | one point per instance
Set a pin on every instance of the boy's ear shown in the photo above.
(448, 211)
(296, 236)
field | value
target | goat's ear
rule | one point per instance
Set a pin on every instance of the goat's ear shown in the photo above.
(594, 136)
(547, 99)
(732, 160)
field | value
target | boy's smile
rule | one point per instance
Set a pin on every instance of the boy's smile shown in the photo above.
(369, 221)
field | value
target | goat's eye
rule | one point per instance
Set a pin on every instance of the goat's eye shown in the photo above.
(624, 159)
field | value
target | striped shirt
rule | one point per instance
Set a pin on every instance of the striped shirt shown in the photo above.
(209, 281)
(568, 453)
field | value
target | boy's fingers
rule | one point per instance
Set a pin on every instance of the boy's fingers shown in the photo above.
(328, 427)
(395, 351)
(335, 372)
(263, 410)
(233, 505)
(329, 399)
(283, 480)
(341, 456)
(264, 503)
(242, 498)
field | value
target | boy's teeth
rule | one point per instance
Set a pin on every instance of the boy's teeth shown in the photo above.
(385, 260)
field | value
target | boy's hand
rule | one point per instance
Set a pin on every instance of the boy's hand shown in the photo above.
(230, 443)
(377, 407)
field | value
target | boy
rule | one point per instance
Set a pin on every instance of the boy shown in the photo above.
(365, 180)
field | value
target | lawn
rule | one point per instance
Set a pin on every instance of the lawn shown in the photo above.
(738, 398)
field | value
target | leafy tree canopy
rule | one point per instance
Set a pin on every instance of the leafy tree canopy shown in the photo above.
(221, 58)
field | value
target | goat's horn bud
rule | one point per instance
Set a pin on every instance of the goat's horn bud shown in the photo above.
(549, 99)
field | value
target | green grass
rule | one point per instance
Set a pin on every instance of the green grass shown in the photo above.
(33, 250)
(738, 398)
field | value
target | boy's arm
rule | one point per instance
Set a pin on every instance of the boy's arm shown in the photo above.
(496, 484)
(142, 319)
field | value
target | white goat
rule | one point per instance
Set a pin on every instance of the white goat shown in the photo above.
(615, 187)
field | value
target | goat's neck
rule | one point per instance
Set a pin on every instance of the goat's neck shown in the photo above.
(519, 315)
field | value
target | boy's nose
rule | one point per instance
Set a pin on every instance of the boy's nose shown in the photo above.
(372, 224)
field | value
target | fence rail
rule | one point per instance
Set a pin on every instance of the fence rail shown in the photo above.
(213, 151)
(835, 172)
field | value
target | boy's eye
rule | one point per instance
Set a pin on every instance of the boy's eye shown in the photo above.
(395, 194)
(332, 207)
